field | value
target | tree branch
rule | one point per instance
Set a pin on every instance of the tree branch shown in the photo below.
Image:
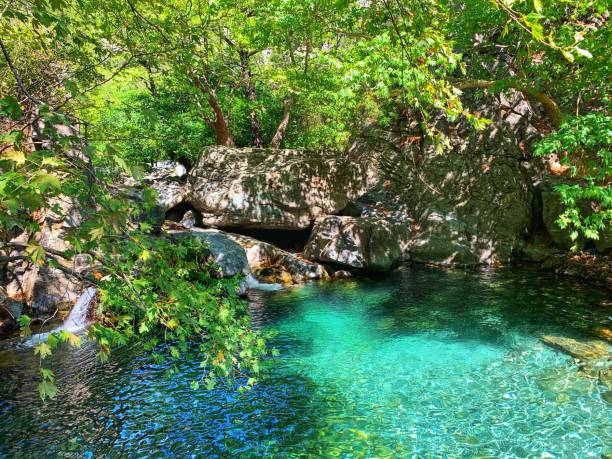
(549, 104)
(16, 74)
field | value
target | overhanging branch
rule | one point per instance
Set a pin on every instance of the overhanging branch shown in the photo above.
(554, 113)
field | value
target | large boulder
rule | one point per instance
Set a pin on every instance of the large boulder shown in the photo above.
(45, 288)
(267, 188)
(471, 194)
(227, 253)
(169, 181)
(369, 243)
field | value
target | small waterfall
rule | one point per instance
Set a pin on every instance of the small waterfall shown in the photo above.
(76, 320)
(254, 284)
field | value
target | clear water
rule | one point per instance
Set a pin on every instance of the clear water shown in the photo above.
(422, 363)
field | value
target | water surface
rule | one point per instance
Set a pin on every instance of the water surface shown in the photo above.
(421, 363)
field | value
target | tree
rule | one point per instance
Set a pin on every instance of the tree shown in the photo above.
(164, 295)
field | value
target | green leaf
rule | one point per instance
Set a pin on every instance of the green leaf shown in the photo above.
(36, 253)
(568, 55)
(51, 161)
(24, 321)
(47, 389)
(12, 205)
(47, 374)
(44, 181)
(43, 350)
(97, 233)
(122, 164)
(9, 106)
(18, 157)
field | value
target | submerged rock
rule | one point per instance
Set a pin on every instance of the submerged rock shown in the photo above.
(602, 333)
(583, 350)
(267, 188)
(370, 243)
(605, 377)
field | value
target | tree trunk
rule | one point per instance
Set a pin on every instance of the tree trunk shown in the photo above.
(149, 81)
(279, 135)
(250, 94)
(219, 124)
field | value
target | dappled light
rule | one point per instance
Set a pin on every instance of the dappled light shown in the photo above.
(254, 228)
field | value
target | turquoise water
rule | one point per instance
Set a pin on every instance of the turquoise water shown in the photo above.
(421, 363)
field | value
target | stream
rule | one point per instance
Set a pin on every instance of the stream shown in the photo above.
(419, 363)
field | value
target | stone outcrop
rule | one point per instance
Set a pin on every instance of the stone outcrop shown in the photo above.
(46, 288)
(582, 350)
(263, 256)
(370, 243)
(168, 179)
(471, 195)
(266, 188)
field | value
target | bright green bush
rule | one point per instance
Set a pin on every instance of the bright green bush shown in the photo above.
(584, 146)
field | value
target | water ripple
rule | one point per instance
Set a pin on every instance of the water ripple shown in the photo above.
(423, 363)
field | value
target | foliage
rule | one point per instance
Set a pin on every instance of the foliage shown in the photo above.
(558, 48)
(93, 91)
(176, 298)
(584, 145)
(146, 129)
(172, 294)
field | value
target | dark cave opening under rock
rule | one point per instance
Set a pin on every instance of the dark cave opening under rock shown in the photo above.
(289, 240)
(177, 213)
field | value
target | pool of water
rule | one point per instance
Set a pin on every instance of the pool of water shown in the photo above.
(421, 363)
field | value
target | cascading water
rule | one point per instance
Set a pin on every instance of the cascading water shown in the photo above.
(76, 321)
(254, 284)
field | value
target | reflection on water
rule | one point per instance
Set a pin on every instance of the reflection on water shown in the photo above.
(422, 363)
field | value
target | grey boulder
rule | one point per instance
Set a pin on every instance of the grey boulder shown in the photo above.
(369, 243)
(268, 188)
